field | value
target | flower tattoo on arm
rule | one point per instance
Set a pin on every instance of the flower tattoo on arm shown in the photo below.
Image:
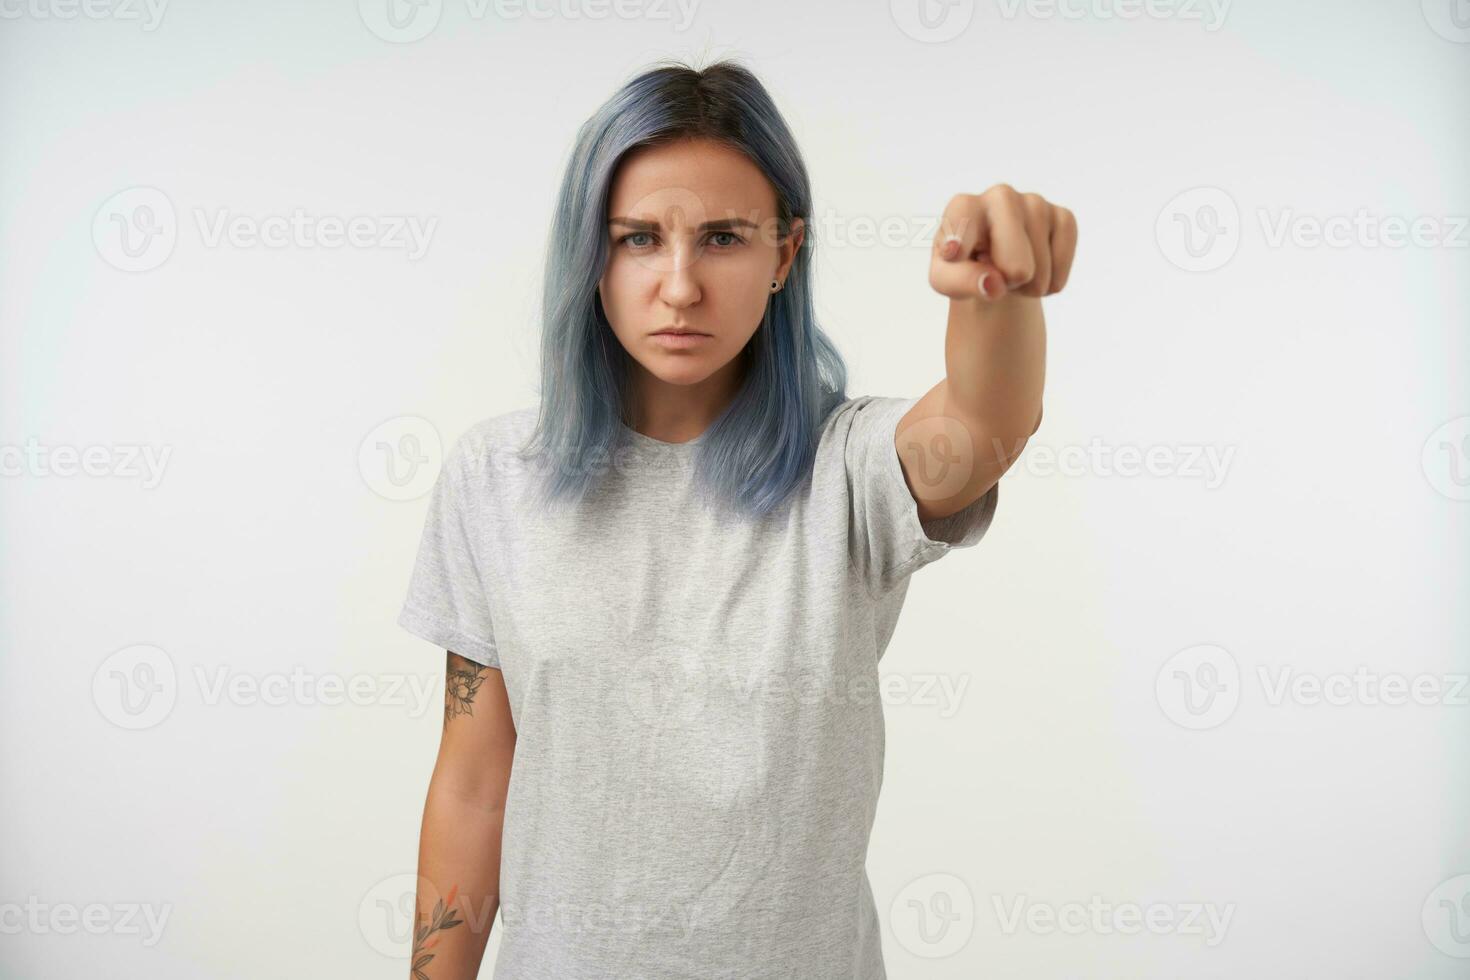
(462, 681)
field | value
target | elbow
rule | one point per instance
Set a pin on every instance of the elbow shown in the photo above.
(476, 802)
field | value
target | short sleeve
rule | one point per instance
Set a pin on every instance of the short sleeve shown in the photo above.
(447, 603)
(888, 540)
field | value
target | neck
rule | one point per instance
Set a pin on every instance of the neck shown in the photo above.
(679, 413)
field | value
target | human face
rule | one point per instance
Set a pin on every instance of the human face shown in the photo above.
(693, 245)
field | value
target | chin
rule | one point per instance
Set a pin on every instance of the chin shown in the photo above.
(681, 369)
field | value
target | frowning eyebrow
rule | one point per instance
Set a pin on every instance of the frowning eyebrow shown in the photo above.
(724, 224)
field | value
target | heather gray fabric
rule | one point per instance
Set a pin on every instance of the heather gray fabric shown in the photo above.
(699, 725)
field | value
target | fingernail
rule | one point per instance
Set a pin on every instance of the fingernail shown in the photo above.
(985, 286)
(951, 247)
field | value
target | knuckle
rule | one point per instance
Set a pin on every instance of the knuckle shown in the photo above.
(963, 224)
(1017, 273)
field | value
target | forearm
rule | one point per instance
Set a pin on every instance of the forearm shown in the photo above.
(995, 366)
(459, 853)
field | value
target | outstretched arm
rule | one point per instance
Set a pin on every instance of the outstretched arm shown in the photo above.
(996, 255)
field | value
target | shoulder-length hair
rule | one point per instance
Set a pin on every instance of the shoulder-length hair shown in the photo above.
(761, 448)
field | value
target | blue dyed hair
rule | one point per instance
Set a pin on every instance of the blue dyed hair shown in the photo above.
(761, 447)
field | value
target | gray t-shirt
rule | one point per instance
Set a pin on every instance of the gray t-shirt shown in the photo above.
(699, 724)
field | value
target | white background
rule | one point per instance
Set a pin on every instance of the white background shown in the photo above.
(276, 837)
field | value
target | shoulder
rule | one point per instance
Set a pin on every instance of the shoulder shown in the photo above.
(862, 415)
(492, 437)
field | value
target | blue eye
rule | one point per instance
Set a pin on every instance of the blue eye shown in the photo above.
(734, 239)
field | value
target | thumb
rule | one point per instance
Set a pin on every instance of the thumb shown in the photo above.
(967, 278)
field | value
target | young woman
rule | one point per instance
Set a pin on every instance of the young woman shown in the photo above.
(665, 590)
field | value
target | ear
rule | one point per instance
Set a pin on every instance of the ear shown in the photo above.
(798, 234)
(790, 246)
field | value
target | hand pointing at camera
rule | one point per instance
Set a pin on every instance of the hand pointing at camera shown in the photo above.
(1000, 242)
(995, 255)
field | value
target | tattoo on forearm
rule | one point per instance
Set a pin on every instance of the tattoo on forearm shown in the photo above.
(461, 683)
(425, 938)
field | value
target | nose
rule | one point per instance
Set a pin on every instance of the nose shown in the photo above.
(679, 286)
